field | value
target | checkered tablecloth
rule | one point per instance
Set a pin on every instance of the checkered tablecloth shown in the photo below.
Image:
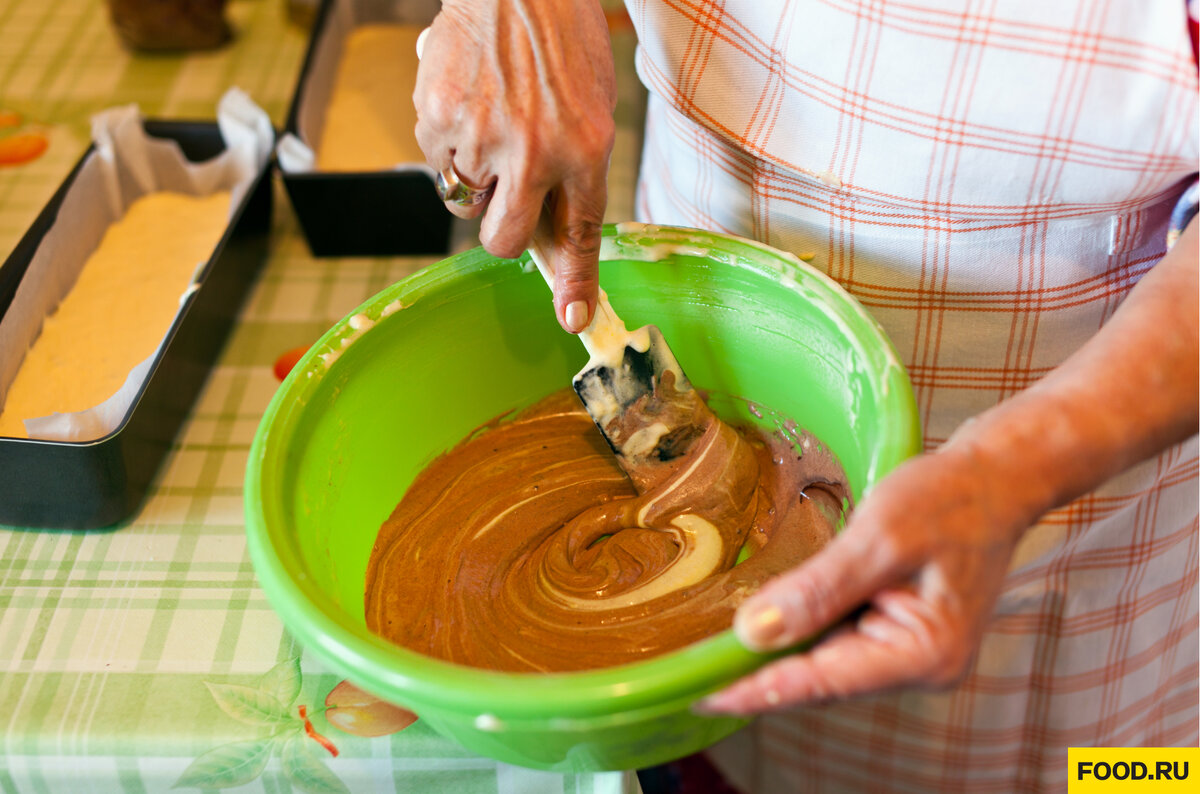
(122, 651)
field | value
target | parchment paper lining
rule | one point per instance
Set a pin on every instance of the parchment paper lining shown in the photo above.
(125, 165)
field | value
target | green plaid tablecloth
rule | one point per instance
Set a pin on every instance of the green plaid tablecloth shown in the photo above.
(124, 653)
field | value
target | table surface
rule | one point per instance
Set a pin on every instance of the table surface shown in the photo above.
(123, 653)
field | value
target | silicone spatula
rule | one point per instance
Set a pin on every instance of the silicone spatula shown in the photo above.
(627, 369)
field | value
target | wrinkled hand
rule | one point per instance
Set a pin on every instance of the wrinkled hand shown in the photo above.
(928, 548)
(926, 552)
(520, 95)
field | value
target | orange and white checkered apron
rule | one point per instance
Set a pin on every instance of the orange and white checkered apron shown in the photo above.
(989, 178)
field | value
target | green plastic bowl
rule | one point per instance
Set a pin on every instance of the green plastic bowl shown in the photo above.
(417, 367)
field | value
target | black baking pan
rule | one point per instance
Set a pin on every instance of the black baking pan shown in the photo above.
(379, 213)
(94, 484)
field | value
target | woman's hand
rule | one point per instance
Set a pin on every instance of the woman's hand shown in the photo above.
(926, 551)
(928, 548)
(519, 95)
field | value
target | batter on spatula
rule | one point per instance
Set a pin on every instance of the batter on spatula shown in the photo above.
(527, 548)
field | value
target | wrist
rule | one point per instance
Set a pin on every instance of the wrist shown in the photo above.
(1032, 453)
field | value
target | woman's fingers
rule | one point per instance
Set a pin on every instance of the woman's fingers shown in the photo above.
(575, 217)
(926, 552)
(829, 585)
(904, 643)
(578, 214)
(512, 217)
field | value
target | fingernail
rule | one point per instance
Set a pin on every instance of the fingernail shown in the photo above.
(576, 316)
(421, 42)
(760, 628)
(713, 705)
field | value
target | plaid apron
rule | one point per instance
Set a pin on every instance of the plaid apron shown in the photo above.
(989, 179)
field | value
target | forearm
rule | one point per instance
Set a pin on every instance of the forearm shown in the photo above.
(1128, 393)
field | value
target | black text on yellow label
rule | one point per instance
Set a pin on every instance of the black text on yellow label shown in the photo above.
(1132, 769)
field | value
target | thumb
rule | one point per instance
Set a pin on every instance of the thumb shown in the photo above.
(798, 604)
(577, 222)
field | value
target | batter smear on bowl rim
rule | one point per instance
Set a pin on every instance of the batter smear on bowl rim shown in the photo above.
(527, 548)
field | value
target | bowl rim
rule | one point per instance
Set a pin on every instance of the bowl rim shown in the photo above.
(414, 680)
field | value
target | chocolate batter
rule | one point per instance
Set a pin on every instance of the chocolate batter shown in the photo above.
(527, 548)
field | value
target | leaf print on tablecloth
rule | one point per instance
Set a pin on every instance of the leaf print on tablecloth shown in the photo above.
(249, 705)
(268, 705)
(229, 765)
(283, 681)
(306, 772)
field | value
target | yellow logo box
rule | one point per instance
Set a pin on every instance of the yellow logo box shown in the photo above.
(1126, 770)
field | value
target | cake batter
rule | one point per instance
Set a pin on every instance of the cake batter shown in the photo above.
(116, 314)
(526, 548)
(369, 121)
